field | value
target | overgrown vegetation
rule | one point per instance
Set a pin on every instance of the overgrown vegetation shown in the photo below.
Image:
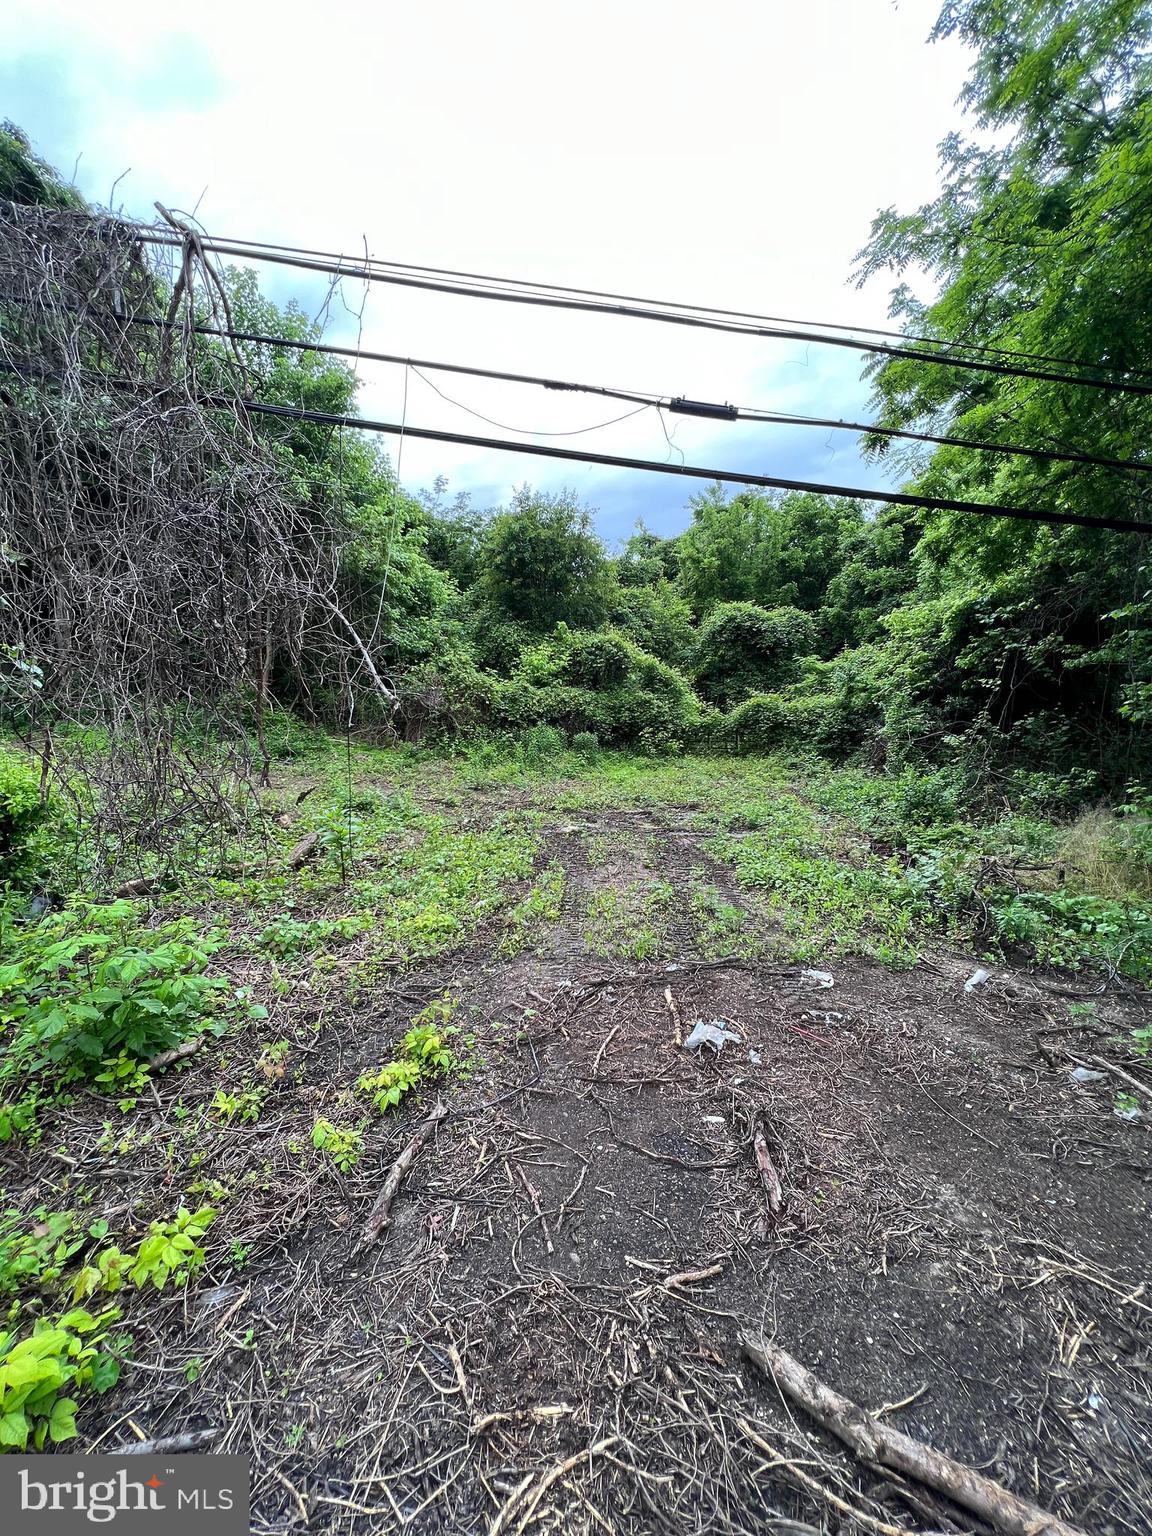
(315, 732)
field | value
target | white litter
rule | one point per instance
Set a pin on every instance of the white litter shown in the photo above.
(977, 979)
(816, 979)
(1086, 1075)
(712, 1033)
(754, 1057)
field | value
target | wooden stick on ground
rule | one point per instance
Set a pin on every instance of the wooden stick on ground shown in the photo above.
(379, 1215)
(768, 1175)
(193, 1440)
(527, 1495)
(881, 1443)
(534, 1196)
(1125, 1077)
(303, 850)
(677, 1026)
(177, 1053)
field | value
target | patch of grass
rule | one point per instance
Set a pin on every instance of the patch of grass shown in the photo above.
(428, 895)
(287, 937)
(597, 850)
(1109, 854)
(722, 927)
(532, 912)
(824, 906)
(629, 923)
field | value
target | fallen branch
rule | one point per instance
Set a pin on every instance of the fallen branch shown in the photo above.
(192, 1440)
(880, 1443)
(768, 1175)
(380, 1213)
(304, 850)
(177, 1053)
(692, 1276)
(1110, 1066)
(677, 1025)
(545, 1413)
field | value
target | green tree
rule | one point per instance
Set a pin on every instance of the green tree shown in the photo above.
(775, 550)
(541, 564)
(1037, 243)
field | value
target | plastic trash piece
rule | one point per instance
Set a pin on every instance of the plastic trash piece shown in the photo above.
(977, 979)
(812, 978)
(755, 1057)
(827, 1017)
(1128, 1112)
(1086, 1075)
(712, 1033)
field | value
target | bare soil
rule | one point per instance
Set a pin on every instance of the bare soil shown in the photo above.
(963, 1243)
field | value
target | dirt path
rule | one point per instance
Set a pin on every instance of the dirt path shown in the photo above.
(963, 1231)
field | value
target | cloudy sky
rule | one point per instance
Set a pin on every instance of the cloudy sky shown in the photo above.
(730, 154)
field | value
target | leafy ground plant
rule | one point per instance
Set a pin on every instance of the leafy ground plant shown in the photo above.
(90, 985)
(40, 1370)
(343, 1144)
(424, 1054)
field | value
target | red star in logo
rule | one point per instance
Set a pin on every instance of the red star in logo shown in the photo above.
(155, 1482)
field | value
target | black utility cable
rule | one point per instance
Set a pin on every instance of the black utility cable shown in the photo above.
(742, 413)
(613, 461)
(257, 246)
(362, 272)
(692, 471)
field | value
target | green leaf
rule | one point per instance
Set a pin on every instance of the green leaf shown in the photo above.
(62, 1420)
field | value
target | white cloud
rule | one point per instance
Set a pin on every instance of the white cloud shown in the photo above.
(731, 154)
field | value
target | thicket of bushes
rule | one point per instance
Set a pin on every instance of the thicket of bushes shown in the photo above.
(1016, 656)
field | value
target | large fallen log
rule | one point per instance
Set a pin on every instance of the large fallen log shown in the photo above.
(888, 1447)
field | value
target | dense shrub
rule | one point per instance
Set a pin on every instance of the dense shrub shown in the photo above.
(586, 744)
(24, 816)
(87, 985)
(743, 649)
(600, 682)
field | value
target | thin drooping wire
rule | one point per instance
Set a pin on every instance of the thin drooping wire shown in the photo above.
(576, 432)
(743, 413)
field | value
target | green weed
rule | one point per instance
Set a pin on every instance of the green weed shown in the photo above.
(343, 1144)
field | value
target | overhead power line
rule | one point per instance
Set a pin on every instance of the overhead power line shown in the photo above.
(530, 286)
(364, 270)
(237, 405)
(691, 471)
(647, 398)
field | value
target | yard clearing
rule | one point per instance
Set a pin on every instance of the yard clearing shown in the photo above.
(898, 1180)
